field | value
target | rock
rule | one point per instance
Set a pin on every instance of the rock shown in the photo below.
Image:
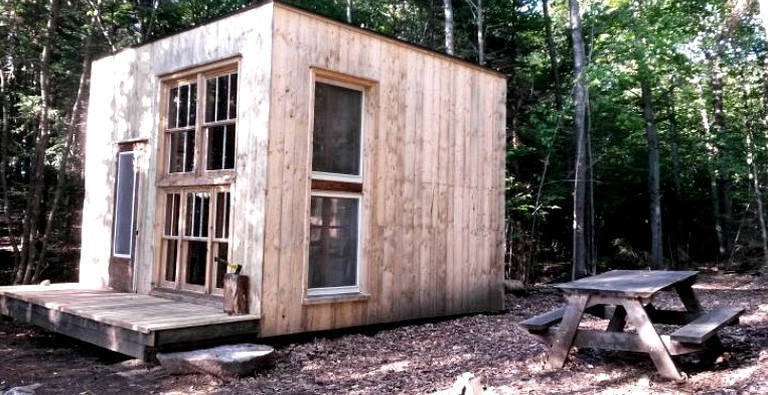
(236, 360)
(515, 287)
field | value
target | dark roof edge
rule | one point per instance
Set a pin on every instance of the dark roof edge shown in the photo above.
(259, 3)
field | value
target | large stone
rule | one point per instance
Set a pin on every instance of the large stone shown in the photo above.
(236, 360)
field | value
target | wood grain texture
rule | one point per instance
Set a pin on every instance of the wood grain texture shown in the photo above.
(127, 323)
(432, 200)
(433, 166)
(631, 283)
(706, 325)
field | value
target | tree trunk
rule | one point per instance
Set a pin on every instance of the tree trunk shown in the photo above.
(657, 253)
(5, 131)
(764, 17)
(553, 62)
(72, 130)
(579, 268)
(674, 144)
(754, 175)
(712, 153)
(349, 11)
(477, 8)
(448, 11)
(477, 13)
(555, 131)
(36, 190)
(724, 179)
(591, 234)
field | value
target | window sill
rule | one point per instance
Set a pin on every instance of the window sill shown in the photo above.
(209, 177)
(338, 298)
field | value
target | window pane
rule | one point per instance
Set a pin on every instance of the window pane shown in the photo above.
(175, 152)
(182, 151)
(173, 110)
(192, 105)
(233, 96)
(221, 263)
(183, 106)
(336, 140)
(333, 242)
(222, 98)
(222, 215)
(172, 201)
(221, 147)
(189, 150)
(196, 258)
(197, 214)
(210, 100)
(171, 252)
(124, 204)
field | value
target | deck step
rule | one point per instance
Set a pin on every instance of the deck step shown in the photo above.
(542, 322)
(707, 325)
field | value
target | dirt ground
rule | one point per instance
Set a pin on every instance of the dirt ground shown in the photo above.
(418, 359)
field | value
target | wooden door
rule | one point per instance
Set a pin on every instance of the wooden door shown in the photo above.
(121, 262)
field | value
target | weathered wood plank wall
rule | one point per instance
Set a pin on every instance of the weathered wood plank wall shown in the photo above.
(433, 181)
(126, 105)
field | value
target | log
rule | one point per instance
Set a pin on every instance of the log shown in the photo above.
(515, 287)
(235, 294)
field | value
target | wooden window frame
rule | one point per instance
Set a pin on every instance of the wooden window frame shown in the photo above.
(200, 179)
(182, 239)
(350, 289)
(200, 174)
(339, 185)
(117, 216)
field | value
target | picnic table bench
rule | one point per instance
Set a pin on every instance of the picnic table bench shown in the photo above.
(625, 296)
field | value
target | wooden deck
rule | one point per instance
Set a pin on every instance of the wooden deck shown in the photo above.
(128, 323)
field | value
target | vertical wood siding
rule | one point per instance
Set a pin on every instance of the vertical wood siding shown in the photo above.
(126, 104)
(433, 175)
(433, 181)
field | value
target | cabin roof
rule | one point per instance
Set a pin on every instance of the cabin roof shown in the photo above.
(280, 3)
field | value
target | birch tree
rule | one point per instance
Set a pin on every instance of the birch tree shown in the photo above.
(449, 27)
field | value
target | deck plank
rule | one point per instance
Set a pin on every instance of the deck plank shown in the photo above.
(124, 322)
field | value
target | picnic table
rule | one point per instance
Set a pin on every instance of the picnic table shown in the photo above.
(626, 296)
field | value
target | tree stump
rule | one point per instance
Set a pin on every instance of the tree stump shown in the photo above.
(235, 294)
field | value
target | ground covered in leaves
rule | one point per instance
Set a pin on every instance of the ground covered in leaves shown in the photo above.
(420, 358)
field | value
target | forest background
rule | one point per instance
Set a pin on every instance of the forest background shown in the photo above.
(637, 130)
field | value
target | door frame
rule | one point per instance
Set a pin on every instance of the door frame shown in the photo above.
(122, 265)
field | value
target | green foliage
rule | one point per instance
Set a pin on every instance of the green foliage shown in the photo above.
(664, 41)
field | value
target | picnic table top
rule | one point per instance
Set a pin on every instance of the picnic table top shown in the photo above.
(630, 283)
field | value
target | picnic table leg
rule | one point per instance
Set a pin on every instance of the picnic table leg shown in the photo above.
(650, 339)
(567, 331)
(618, 320)
(688, 297)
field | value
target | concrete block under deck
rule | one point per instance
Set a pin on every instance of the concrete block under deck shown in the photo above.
(127, 323)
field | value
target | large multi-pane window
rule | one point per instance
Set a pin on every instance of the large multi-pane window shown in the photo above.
(195, 238)
(218, 126)
(199, 147)
(337, 181)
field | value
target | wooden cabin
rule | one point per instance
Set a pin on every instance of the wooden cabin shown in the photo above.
(357, 179)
